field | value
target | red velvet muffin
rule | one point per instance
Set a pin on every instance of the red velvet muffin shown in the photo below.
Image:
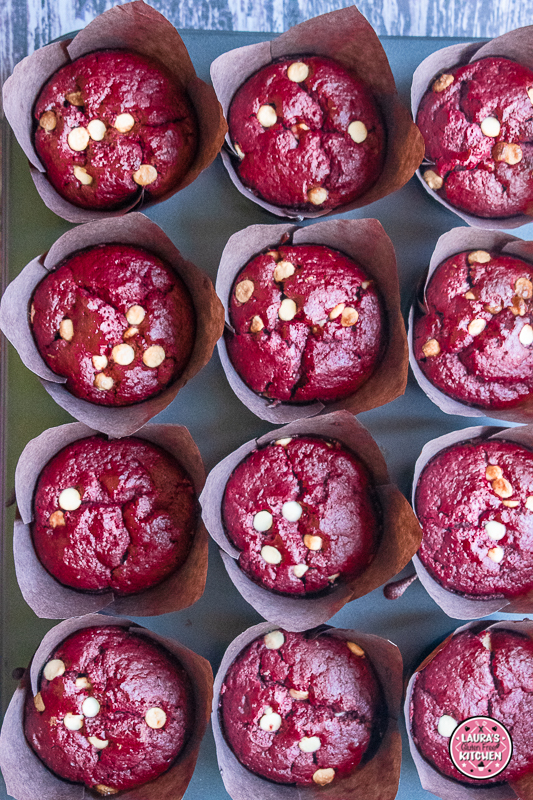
(116, 321)
(116, 515)
(110, 124)
(302, 512)
(113, 711)
(301, 708)
(308, 324)
(476, 123)
(474, 502)
(486, 674)
(308, 132)
(474, 342)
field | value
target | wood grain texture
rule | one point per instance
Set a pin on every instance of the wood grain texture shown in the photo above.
(28, 24)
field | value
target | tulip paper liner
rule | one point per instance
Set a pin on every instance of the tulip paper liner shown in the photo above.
(400, 539)
(25, 774)
(49, 598)
(363, 240)
(377, 779)
(134, 229)
(461, 606)
(515, 45)
(434, 781)
(456, 241)
(134, 26)
(348, 38)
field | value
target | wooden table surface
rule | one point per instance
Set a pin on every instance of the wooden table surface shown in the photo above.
(28, 24)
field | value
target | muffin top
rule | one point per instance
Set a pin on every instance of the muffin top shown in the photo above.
(116, 515)
(308, 134)
(303, 513)
(112, 124)
(301, 708)
(308, 324)
(476, 123)
(474, 340)
(116, 322)
(113, 710)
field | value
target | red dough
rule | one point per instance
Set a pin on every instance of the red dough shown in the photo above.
(135, 521)
(336, 534)
(107, 297)
(474, 342)
(462, 490)
(342, 707)
(88, 95)
(486, 674)
(311, 356)
(308, 147)
(486, 175)
(128, 675)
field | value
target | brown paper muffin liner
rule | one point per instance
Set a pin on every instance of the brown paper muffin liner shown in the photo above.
(27, 777)
(400, 539)
(348, 38)
(134, 26)
(363, 240)
(461, 606)
(434, 781)
(456, 241)
(49, 598)
(135, 229)
(376, 780)
(515, 45)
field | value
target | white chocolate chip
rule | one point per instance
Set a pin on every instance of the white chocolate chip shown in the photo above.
(477, 326)
(496, 554)
(100, 744)
(145, 175)
(446, 725)
(274, 640)
(312, 542)
(123, 354)
(155, 717)
(442, 82)
(103, 382)
(309, 744)
(355, 649)
(129, 332)
(530, 93)
(83, 683)
(74, 722)
(297, 71)
(296, 694)
(70, 499)
(99, 362)
(48, 121)
(507, 152)
(244, 290)
(104, 790)
(124, 123)
(270, 554)
(291, 511)
(283, 270)
(274, 254)
(433, 180)
(490, 126)
(135, 315)
(323, 776)
(337, 311)
(479, 257)
(470, 296)
(300, 570)
(287, 310)
(526, 335)
(333, 578)
(486, 641)
(78, 139)
(256, 324)
(283, 442)
(529, 503)
(262, 521)
(266, 116)
(270, 721)
(431, 348)
(81, 174)
(357, 131)
(66, 329)
(494, 530)
(53, 669)
(90, 707)
(154, 356)
(74, 98)
(492, 472)
(238, 151)
(502, 487)
(96, 129)
(57, 519)
(38, 702)
(317, 195)
(511, 503)
(349, 317)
